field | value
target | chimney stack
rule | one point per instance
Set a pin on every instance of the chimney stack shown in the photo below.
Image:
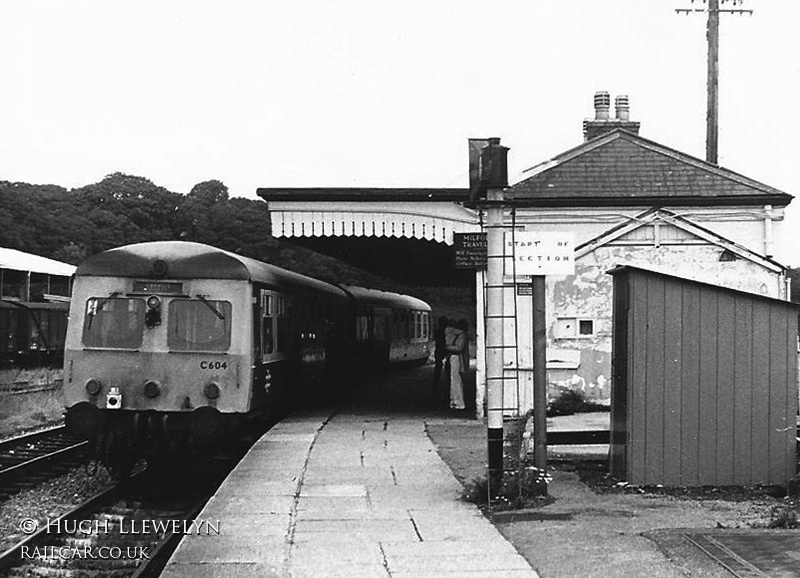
(602, 123)
(623, 109)
(602, 104)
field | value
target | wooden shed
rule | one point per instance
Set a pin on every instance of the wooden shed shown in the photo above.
(705, 383)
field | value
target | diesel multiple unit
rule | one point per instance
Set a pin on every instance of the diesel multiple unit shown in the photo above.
(172, 343)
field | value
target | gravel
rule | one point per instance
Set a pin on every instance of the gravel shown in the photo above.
(51, 499)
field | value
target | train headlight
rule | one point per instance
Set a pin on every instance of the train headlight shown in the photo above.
(159, 268)
(93, 387)
(152, 389)
(114, 398)
(211, 390)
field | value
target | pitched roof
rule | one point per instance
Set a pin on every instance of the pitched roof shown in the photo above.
(621, 168)
(663, 216)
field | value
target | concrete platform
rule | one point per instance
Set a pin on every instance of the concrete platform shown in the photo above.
(355, 495)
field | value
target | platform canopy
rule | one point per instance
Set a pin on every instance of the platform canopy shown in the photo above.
(402, 213)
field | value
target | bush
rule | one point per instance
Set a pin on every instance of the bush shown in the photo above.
(573, 401)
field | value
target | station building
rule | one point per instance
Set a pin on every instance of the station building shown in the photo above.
(626, 200)
(632, 201)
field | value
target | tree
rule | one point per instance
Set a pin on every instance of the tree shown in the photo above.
(71, 253)
(209, 192)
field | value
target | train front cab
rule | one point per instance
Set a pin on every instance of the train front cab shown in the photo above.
(150, 363)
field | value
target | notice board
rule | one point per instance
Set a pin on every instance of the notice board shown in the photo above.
(469, 250)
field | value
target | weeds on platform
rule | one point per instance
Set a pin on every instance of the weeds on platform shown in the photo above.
(514, 490)
(521, 484)
(783, 517)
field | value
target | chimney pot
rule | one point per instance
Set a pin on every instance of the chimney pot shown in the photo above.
(623, 108)
(602, 104)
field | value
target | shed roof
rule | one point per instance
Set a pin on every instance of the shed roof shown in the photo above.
(621, 168)
(622, 269)
(21, 261)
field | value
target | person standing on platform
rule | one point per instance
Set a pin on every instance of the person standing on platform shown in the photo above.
(440, 351)
(456, 340)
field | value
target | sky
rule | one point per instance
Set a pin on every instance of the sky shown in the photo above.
(374, 93)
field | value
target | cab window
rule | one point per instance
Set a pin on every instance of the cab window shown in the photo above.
(114, 323)
(199, 325)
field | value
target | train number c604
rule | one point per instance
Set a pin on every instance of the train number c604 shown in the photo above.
(213, 365)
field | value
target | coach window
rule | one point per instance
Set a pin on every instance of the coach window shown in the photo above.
(362, 328)
(267, 332)
(283, 324)
(199, 325)
(114, 322)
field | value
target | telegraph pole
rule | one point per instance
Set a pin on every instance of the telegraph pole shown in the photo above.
(712, 35)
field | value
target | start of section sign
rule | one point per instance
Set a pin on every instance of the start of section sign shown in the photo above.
(540, 253)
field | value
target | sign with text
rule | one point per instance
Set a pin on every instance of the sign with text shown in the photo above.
(540, 253)
(469, 250)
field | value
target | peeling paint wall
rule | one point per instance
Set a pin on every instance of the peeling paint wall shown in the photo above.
(710, 244)
(579, 307)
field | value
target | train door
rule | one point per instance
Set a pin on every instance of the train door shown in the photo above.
(381, 334)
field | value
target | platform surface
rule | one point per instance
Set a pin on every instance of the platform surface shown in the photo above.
(353, 495)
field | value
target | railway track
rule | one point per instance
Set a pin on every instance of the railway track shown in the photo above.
(126, 531)
(129, 530)
(30, 459)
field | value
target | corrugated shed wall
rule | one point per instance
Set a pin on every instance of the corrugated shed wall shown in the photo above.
(705, 389)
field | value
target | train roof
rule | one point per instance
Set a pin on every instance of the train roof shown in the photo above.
(385, 298)
(186, 260)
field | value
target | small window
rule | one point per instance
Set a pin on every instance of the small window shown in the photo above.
(196, 325)
(362, 328)
(116, 323)
(573, 327)
(266, 303)
(379, 327)
(267, 337)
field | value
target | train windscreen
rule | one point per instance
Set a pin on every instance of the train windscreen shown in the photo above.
(113, 322)
(199, 325)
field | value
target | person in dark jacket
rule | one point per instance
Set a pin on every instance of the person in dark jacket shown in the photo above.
(440, 351)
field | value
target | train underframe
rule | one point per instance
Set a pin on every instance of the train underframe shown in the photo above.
(119, 439)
